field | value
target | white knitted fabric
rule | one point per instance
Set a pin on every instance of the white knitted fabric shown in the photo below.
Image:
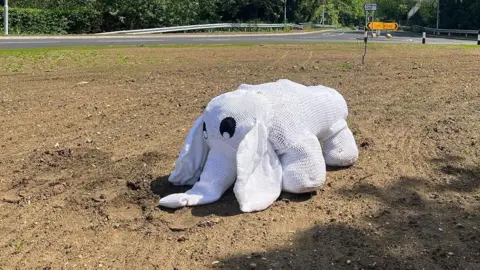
(264, 139)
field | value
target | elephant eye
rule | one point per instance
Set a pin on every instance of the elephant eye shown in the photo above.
(205, 134)
(227, 127)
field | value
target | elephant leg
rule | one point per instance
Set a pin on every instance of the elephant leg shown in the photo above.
(303, 166)
(339, 148)
(217, 176)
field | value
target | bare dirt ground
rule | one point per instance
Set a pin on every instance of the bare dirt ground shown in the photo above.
(89, 137)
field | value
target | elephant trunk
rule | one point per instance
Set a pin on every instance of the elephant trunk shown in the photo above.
(218, 174)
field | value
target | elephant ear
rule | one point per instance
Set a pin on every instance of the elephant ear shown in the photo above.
(192, 158)
(259, 172)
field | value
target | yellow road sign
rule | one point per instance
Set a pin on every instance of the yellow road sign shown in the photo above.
(382, 26)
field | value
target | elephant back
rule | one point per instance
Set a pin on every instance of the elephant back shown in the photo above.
(299, 109)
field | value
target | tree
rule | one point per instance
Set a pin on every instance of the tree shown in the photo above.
(109, 15)
(251, 10)
(126, 14)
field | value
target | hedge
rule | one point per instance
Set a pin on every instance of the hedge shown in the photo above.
(44, 21)
(83, 20)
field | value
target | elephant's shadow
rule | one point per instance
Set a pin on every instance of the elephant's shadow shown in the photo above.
(227, 205)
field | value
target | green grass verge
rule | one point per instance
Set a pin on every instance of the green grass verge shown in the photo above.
(105, 47)
(17, 51)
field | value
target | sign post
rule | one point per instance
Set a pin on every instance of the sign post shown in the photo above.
(5, 16)
(369, 7)
(365, 40)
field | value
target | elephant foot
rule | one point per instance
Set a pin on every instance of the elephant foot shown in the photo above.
(340, 148)
(303, 165)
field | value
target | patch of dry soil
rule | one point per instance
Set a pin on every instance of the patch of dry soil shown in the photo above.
(89, 137)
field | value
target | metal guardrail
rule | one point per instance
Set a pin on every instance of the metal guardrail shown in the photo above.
(319, 25)
(451, 31)
(202, 27)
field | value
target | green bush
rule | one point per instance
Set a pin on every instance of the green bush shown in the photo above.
(45, 21)
(35, 21)
(84, 20)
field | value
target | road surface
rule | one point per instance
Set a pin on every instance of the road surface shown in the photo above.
(11, 42)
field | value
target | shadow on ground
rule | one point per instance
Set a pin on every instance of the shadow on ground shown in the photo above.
(421, 224)
(227, 205)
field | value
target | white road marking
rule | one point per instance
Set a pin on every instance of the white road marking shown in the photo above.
(30, 41)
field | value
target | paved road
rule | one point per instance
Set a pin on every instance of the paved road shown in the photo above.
(316, 37)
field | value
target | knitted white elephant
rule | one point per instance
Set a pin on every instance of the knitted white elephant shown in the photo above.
(264, 138)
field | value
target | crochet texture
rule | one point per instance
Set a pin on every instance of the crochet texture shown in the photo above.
(263, 139)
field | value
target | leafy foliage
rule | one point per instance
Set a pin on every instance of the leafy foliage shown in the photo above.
(88, 16)
(53, 21)
(28, 20)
